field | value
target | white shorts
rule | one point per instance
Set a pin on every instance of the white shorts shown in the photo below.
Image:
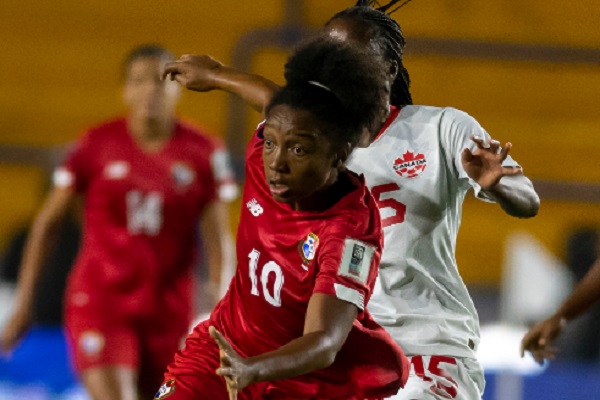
(441, 378)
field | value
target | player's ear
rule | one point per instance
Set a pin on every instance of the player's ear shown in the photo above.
(342, 155)
(392, 70)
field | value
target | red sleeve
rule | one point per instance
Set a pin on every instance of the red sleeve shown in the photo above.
(348, 262)
(77, 168)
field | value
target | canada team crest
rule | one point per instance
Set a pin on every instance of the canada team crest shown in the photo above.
(308, 247)
(410, 165)
(167, 389)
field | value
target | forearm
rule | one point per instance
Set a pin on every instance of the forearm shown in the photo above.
(586, 293)
(36, 247)
(311, 352)
(218, 247)
(253, 89)
(517, 197)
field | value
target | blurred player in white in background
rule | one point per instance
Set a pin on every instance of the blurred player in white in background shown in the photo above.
(146, 179)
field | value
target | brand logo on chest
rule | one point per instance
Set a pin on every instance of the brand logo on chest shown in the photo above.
(410, 165)
(255, 208)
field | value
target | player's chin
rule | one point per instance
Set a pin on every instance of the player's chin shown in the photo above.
(284, 197)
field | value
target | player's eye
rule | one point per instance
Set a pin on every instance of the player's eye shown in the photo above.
(298, 151)
(268, 144)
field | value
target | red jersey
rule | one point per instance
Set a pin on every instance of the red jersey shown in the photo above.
(284, 256)
(140, 217)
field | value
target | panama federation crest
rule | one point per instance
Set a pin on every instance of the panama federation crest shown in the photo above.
(410, 165)
(167, 389)
(308, 247)
(182, 174)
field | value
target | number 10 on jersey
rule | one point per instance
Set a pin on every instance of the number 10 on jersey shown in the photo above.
(273, 296)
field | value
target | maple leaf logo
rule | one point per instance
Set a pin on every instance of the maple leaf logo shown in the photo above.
(410, 165)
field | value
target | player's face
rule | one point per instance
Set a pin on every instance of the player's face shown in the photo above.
(146, 95)
(299, 159)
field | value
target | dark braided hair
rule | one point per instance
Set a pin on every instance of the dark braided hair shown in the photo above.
(338, 84)
(388, 33)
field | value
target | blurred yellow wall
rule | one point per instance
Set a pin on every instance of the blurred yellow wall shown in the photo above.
(61, 60)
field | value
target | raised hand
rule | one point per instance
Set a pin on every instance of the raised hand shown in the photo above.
(539, 338)
(484, 165)
(194, 72)
(237, 374)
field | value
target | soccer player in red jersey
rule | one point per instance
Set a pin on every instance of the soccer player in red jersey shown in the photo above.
(147, 179)
(308, 249)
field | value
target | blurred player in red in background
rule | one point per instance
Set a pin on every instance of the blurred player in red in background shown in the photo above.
(146, 180)
(308, 249)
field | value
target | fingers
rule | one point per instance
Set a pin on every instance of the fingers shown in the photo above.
(172, 69)
(232, 392)
(220, 339)
(467, 156)
(492, 145)
(504, 150)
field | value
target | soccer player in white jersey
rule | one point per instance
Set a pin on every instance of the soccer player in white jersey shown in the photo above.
(419, 169)
(419, 166)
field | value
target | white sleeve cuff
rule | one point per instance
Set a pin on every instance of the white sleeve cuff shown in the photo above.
(350, 295)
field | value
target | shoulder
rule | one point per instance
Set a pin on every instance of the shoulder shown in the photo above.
(107, 129)
(428, 113)
(356, 214)
(195, 135)
(447, 120)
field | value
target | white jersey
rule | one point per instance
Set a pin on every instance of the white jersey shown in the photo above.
(415, 173)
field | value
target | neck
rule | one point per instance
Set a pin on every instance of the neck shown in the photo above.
(149, 132)
(326, 197)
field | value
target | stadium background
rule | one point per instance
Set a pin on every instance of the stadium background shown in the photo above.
(528, 71)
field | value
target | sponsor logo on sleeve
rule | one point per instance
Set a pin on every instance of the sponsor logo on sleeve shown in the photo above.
(410, 165)
(166, 389)
(63, 178)
(91, 343)
(356, 260)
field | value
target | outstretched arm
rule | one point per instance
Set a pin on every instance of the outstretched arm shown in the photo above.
(203, 73)
(506, 185)
(539, 338)
(328, 322)
(218, 244)
(37, 246)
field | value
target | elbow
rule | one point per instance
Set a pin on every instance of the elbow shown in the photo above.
(325, 360)
(526, 208)
(328, 353)
(532, 209)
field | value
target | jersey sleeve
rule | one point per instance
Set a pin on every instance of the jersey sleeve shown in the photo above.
(225, 185)
(347, 264)
(77, 168)
(456, 129)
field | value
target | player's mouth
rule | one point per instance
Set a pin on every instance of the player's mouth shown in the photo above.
(278, 189)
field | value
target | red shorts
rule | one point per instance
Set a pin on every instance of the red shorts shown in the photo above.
(191, 376)
(99, 339)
